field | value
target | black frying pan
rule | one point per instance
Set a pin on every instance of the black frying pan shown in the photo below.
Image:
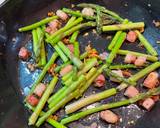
(17, 13)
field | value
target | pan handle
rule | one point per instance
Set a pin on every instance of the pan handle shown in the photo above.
(3, 33)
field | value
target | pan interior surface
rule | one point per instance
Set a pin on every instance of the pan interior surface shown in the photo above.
(33, 11)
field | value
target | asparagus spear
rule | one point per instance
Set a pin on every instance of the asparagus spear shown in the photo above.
(78, 14)
(55, 105)
(99, 21)
(74, 37)
(140, 74)
(121, 79)
(51, 121)
(122, 66)
(74, 75)
(88, 76)
(82, 56)
(110, 105)
(70, 31)
(68, 90)
(77, 62)
(58, 68)
(61, 54)
(149, 57)
(43, 54)
(68, 97)
(103, 9)
(91, 73)
(35, 25)
(113, 53)
(128, 26)
(71, 20)
(45, 69)
(76, 49)
(145, 71)
(40, 47)
(42, 101)
(90, 81)
(88, 100)
(147, 45)
(35, 44)
(56, 95)
(87, 66)
(117, 35)
(67, 76)
(65, 28)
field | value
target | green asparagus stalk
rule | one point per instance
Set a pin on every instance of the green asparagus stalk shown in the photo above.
(58, 68)
(99, 21)
(58, 106)
(55, 105)
(35, 44)
(42, 101)
(76, 49)
(75, 76)
(149, 57)
(113, 53)
(51, 121)
(54, 96)
(115, 38)
(74, 37)
(77, 62)
(64, 29)
(110, 105)
(140, 74)
(67, 76)
(35, 25)
(146, 44)
(45, 69)
(102, 9)
(90, 73)
(118, 27)
(120, 79)
(70, 31)
(40, 47)
(122, 66)
(78, 14)
(90, 81)
(84, 55)
(87, 66)
(71, 20)
(145, 71)
(89, 100)
(43, 54)
(61, 54)
(71, 88)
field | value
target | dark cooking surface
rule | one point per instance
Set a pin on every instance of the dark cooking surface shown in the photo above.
(33, 11)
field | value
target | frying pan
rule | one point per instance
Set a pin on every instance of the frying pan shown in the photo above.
(17, 13)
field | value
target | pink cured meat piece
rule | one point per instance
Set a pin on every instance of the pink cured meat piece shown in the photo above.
(151, 81)
(131, 91)
(109, 116)
(130, 58)
(23, 53)
(131, 36)
(39, 90)
(100, 81)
